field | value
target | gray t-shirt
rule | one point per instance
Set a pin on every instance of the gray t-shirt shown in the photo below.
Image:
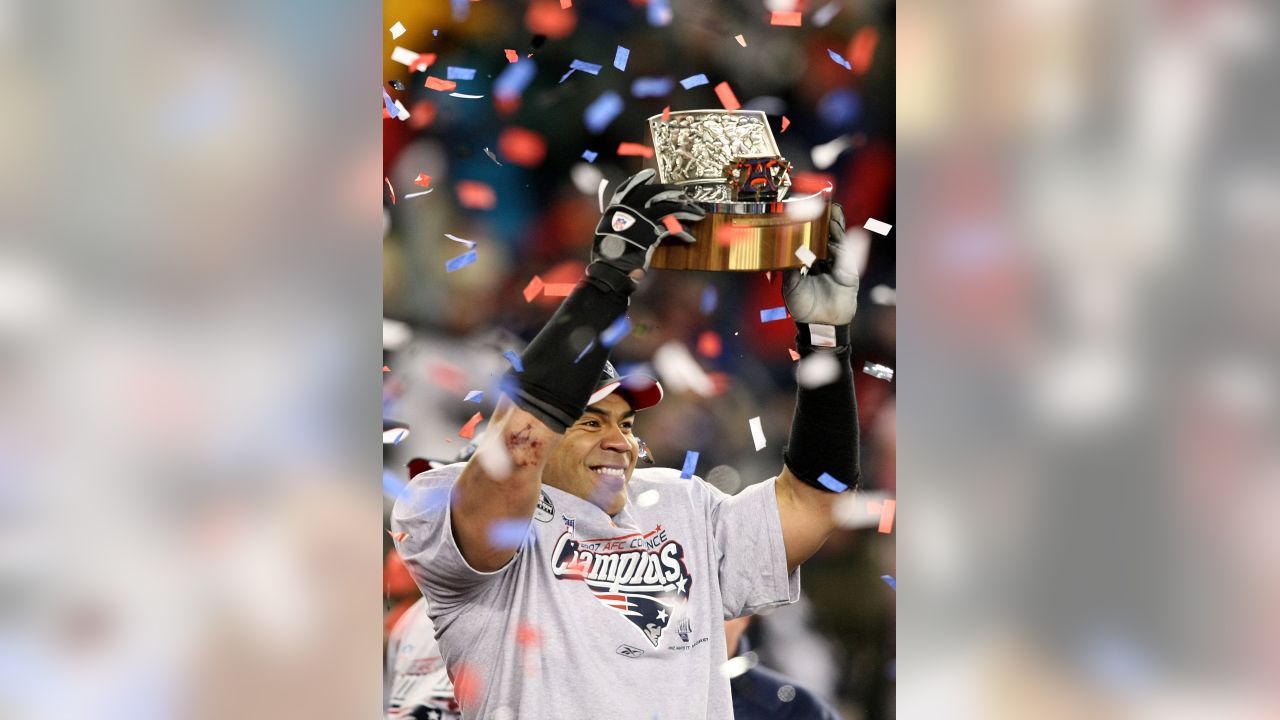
(599, 617)
(417, 684)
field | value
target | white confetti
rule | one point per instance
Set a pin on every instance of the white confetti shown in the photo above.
(404, 56)
(600, 192)
(464, 96)
(586, 177)
(647, 498)
(738, 665)
(825, 155)
(817, 370)
(394, 436)
(878, 371)
(757, 433)
(469, 243)
(397, 30)
(884, 295)
(877, 226)
(806, 255)
(825, 14)
(492, 156)
(403, 114)
(418, 194)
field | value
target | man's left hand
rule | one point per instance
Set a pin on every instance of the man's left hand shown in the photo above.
(828, 293)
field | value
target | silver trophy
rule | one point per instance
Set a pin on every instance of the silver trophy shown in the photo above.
(729, 163)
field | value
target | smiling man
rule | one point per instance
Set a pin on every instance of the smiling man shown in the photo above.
(564, 582)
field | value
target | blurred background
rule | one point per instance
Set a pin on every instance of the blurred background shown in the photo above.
(515, 175)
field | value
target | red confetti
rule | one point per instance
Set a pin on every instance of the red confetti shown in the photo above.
(423, 180)
(862, 49)
(393, 190)
(785, 123)
(423, 114)
(709, 344)
(386, 369)
(546, 17)
(468, 431)
(795, 356)
(422, 62)
(558, 289)
(666, 113)
(789, 19)
(511, 55)
(673, 225)
(385, 115)
(476, 195)
(533, 288)
(886, 516)
(522, 147)
(528, 634)
(728, 234)
(467, 686)
(727, 98)
(435, 83)
(630, 148)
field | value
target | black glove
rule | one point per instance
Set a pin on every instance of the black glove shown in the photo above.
(632, 226)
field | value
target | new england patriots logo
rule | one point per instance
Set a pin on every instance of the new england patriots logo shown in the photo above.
(642, 577)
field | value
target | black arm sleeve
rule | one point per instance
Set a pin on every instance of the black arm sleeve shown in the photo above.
(824, 429)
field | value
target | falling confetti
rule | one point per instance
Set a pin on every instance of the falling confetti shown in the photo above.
(589, 155)
(532, 290)
(630, 148)
(886, 516)
(586, 67)
(465, 96)
(454, 72)
(727, 98)
(785, 123)
(468, 431)
(888, 580)
(666, 113)
(435, 83)
(393, 190)
(405, 56)
(474, 396)
(394, 436)
(672, 225)
(877, 226)
(475, 195)
(522, 147)
(708, 304)
(825, 14)
(397, 30)
(492, 157)
(507, 534)
(648, 498)
(839, 60)
(643, 87)
(831, 483)
(461, 261)
(786, 19)
(419, 194)
(513, 80)
(690, 464)
(423, 180)
(602, 111)
(794, 355)
(757, 433)
(463, 241)
(613, 334)
(620, 58)
(772, 314)
(709, 344)
(511, 55)
(694, 81)
(877, 370)
(741, 40)
(805, 255)
(863, 49)
(514, 359)
(557, 289)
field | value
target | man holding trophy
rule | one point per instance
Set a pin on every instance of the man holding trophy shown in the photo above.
(562, 580)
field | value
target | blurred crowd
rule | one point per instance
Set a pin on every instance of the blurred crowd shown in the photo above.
(445, 332)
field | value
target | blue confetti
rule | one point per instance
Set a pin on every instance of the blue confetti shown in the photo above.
(888, 580)
(461, 261)
(474, 396)
(778, 313)
(585, 66)
(694, 81)
(508, 534)
(615, 332)
(690, 464)
(659, 14)
(512, 81)
(589, 155)
(620, 58)
(514, 359)
(708, 300)
(832, 484)
(651, 86)
(391, 106)
(460, 73)
(585, 350)
(566, 75)
(392, 486)
(461, 9)
(839, 60)
(602, 111)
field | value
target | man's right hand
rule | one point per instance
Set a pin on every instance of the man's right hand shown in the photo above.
(633, 225)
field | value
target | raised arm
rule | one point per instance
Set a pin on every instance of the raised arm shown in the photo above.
(821, 458)
(502, 481)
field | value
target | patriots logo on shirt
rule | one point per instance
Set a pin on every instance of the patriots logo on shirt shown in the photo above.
(641, 577)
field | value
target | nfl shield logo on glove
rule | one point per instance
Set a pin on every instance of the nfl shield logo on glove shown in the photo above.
(622, 221)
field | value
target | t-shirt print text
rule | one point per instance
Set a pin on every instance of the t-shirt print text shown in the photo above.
(642, 577)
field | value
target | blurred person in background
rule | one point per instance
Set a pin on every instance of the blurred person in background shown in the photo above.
(760, 693)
